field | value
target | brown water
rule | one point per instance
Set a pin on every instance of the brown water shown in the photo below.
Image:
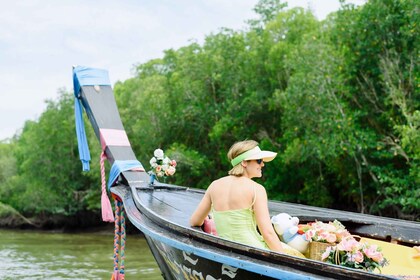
(45, 255)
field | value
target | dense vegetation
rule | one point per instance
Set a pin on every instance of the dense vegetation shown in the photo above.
(338, 99)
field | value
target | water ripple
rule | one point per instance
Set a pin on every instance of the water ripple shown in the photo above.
(31, 255)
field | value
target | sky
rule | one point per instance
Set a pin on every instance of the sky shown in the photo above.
(40, 41)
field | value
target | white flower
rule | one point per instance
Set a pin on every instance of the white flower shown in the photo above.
(166, 161)
(153, 162)
(164, 167)
(158, 153)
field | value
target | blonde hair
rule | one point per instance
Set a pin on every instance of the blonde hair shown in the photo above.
(237, 149)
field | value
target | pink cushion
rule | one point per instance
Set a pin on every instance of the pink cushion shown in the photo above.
(209, 226)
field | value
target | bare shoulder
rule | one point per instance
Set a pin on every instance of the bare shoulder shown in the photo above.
(254, 184)
(260, 188)
(221, 181)
(216, 184)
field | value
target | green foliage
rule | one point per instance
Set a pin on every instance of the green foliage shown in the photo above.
(49, 177)
(379, 44)
(8, 166)
(192, 167)
(267, 11)
(6, 210)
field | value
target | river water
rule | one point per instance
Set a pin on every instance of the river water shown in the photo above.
(28, 255)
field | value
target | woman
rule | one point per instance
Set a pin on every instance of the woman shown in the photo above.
(239, 204)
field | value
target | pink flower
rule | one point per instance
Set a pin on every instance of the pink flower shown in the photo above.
(310, 234)
(158, 168)
(331, 238)
(373, 253)
(170, 171)
(349, 245)
(326, 253)
(173, 163)
(323, 235)
(341, 234)
(356, 257)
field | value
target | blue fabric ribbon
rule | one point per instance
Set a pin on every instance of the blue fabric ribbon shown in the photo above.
(121, 166)
(85, 76)
(287, 236)
(84, 153)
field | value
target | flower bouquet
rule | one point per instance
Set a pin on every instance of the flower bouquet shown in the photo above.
(330, 232)
(162, 166)
(351, 253)
(322, 235)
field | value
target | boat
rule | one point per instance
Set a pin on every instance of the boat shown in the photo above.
(161, 212)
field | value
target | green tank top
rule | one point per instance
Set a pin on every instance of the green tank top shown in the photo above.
(239, 225)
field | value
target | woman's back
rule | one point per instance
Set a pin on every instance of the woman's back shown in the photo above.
(232, 193)
(232, 202)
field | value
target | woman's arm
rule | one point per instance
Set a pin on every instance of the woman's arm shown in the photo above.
(264, 222)
(203, 209)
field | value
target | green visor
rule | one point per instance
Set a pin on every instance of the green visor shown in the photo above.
(254, 153)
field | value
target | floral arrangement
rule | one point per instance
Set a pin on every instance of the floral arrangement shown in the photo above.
(345, 250)
(351, 253)
(162, 166)
(330, 232)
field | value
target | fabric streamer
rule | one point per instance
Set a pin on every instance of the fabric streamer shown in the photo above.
(84, 76)
(84, 153)
(106, 208)
(116, 169)
(120, 166)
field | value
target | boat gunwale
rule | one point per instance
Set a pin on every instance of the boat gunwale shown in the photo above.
(280, 261)
(307, 265)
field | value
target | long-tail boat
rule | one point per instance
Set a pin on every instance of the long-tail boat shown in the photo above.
(161, 211)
